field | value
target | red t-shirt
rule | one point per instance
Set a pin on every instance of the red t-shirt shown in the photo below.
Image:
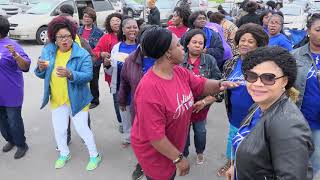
(163, 108)
(179, 31)
(86, 34)
(201, 115)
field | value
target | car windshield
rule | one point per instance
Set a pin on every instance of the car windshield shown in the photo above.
(43, 7)
(291, 11)
(131, 2)
(3, 2)
(165, 4)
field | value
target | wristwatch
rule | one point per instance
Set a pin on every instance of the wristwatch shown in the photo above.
(180, 157)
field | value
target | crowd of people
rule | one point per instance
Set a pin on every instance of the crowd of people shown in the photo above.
(164, 81)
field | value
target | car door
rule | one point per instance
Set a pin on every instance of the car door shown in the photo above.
(103, 8)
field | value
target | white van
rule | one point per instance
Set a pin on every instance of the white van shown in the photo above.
(33, 24)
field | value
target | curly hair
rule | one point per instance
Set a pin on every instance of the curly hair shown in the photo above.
(184, 14)
(4, 27)
(193, 16)
(192, 33)
(58, 23)
(312, 19)
(107, 22)
(256, 31)
(280, 56)
(91, 12)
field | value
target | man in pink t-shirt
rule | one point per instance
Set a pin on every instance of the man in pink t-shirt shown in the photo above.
(179, 21)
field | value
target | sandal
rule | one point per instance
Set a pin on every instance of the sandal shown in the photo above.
(222, 171)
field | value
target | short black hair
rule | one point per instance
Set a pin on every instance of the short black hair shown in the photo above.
(156, 41)
(107, 23)
(271, 4)
(192, 33)
(263, 14)
(279, 56)
(67, 8)
(312, 19)
(216, 17)
(58, 23)
(193, 16)
(256, 31)
(184, 14)
(4, 27)
(251, 7)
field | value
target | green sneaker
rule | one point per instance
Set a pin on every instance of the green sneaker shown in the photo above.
(94, 163)
(62, 160)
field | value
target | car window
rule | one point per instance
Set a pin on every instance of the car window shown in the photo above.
(43, 7)
(57, 10)
(102, 5)
(4, 2)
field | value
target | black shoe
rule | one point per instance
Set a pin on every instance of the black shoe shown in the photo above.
(21, 151)
(7, 147)
(137, 173)
(93, 105)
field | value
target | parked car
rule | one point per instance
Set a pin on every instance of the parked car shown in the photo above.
(294, 16)
(131, 8)
(33, 24)
(166, 8)
(8, 8)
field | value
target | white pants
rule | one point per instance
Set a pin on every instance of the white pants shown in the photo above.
(60, 120)
(126, 124)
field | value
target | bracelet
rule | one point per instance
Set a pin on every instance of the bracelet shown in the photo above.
(180, 157)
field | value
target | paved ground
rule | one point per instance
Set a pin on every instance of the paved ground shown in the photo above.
(117, 163)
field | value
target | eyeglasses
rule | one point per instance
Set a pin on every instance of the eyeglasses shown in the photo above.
(266, 78)
(274, 23)
(65, 37)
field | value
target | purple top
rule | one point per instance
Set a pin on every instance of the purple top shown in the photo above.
(11, 79)
(227, 49)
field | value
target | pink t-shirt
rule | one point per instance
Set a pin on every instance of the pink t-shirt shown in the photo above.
(163, 108)
(201, 115)
(86, 33)
(179, 32)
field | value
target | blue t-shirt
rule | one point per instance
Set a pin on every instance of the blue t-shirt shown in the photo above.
(127, 49)
(147, 63)
(311, 100)
(240, 99)
(280, 40)
(244, 131)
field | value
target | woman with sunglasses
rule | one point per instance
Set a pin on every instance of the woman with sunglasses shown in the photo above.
(274, 140)
(308, 84)
(248, 38)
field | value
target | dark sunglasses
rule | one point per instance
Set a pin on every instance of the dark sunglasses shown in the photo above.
(266, 78)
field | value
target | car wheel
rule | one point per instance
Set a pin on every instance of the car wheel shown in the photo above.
(42, 35)
(130, 12)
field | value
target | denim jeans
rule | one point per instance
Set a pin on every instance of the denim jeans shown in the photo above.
(11, 125)
(116, 106)
(315, 158)
(200, 137)
(232, 132)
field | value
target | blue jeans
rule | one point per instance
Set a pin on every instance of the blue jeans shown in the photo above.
(11, 125)
(232, 132)
(200, 137)
(315, 158)
(116, 106)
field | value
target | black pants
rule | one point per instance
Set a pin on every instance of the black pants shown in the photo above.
(94, 85)
(69, 128)
(11, 125)
(172, 178)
